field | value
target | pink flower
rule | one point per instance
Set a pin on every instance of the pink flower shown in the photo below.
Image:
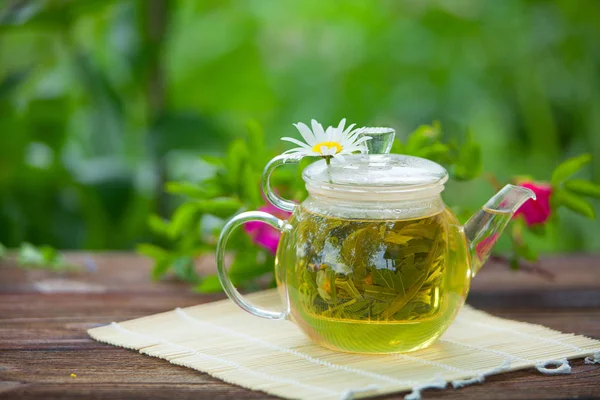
(265, 235)
(536, 211)
(484, 247)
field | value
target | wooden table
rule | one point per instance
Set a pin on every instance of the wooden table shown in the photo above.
(44, 318)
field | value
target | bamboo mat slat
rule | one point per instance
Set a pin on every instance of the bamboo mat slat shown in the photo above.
(276, 358)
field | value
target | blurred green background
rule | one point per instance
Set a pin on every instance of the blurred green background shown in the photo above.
(103, 101)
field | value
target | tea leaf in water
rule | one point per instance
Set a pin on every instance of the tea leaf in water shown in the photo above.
(359, 244)
(354, 269)
(402, 299)
(385, 278)
(397, 238)
(424, 230)
(347, 287)
(374, 285)
(379, 293)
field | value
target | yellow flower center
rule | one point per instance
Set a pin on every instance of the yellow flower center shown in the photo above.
(317, 147)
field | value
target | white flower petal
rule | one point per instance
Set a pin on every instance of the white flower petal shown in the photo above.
(355, 133)
(295, 150)
(339, 157)
(329, 134)
(306, 133)
(352, 149)
(295, 141)
(362, 139)
(317, 130)
(340, 127)
(347, 131)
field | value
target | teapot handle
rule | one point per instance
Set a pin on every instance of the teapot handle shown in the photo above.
(272, 196)
(231, 291)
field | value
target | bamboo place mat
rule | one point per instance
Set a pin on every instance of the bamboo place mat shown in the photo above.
(276, 358)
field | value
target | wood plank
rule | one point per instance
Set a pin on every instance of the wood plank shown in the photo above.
(570, 272)
(47, 373)
(573, 272)
(43, 334)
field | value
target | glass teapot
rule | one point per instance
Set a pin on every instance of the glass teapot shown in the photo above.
(372, 261)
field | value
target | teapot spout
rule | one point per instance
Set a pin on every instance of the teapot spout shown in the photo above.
(485, 227)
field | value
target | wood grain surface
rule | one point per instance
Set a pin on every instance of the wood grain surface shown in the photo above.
(44, 317)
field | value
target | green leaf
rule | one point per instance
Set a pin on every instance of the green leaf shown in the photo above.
(423, 136)
(575, 203)
(29, 255)
(246, 265)
(256, 144)
(523, 250)
(538, 229)
(49, 254)
(251, 185)
(583, 187)
(2, 251)
(185, 269)
(152, 251)
(160, 268)
(237, 154)
(190, 189)
(185, 217)
(569, 167)
(158, 225)
(212, 160)
(437, 152)
(469, 164)
(209, 284)
(222, 207)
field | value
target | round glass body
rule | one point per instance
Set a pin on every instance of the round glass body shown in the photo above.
(373, 277)
(373, 261)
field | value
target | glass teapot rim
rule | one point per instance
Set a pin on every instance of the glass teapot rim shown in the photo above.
(376, 177)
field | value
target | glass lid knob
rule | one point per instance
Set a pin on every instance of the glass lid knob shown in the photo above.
(381, 141)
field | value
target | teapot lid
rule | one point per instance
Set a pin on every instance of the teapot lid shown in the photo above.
(376, 175)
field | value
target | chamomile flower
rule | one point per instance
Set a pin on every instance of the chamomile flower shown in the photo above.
(334, 142)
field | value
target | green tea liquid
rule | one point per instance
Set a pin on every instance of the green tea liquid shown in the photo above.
(374, 286)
